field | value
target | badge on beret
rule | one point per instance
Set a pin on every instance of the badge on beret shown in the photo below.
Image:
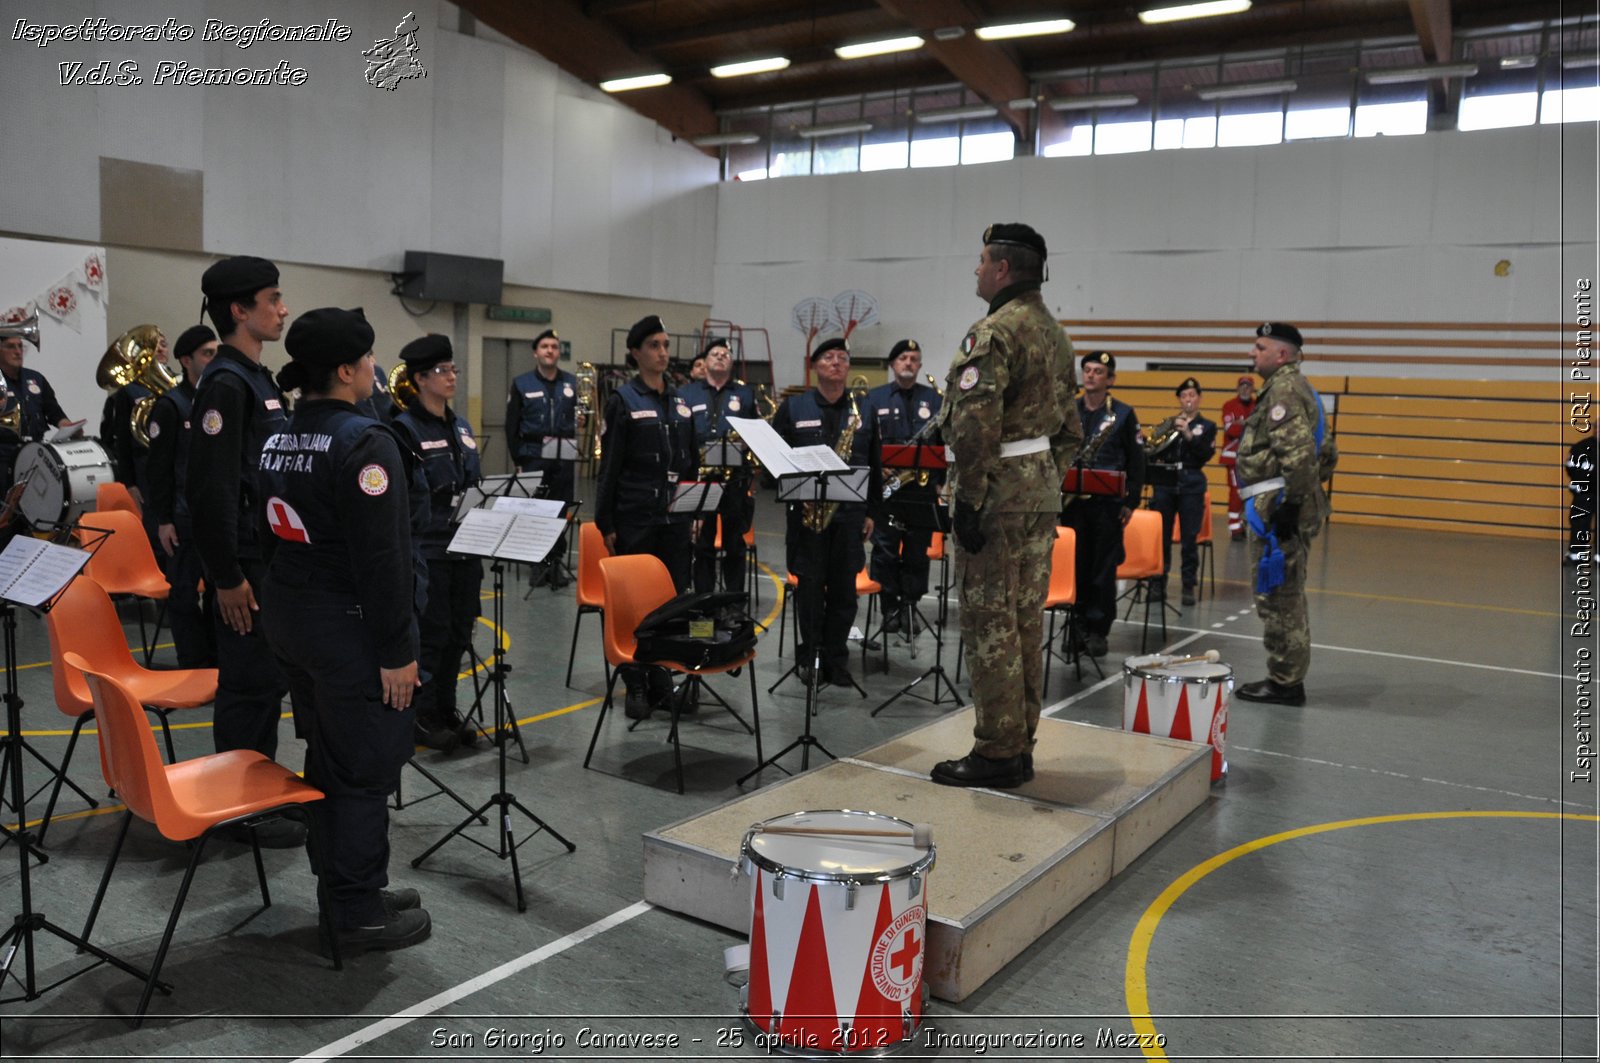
(733, 404)
(467, 440)
(154, 429)
(970, 342)
(211, 423)
(373, 480)
(1278, 412)
(969, 377)
(33, 386)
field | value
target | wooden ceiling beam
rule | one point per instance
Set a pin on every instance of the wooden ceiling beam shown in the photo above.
(985, 68)
(783, 17)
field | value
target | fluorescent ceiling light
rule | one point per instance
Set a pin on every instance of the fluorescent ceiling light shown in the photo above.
(952, 114)
(1243, 89)
(1026, 103)
(1158, 15)
(1582, 62)
(752, 66)
(1026, 29)
(949, 33)
(643, 81)
(835, 129)
(1406, 74)
(893, 44)
(722, 140)
(1089, 103)
(1518, 62)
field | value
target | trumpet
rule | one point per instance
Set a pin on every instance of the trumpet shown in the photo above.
(131, 359)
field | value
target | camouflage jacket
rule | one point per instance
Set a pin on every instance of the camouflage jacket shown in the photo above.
(1280, 440)
(1012, 381)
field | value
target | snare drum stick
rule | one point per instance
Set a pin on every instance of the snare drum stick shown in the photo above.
(921, 834)
(1209, 655)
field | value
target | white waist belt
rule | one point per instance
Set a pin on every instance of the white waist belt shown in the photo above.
(1018, 447)
(1274, 483)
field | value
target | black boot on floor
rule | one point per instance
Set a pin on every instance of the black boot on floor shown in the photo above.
(1273, 693)
(974, 769)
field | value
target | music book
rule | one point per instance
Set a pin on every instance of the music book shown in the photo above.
(33, 571)
(506, 535)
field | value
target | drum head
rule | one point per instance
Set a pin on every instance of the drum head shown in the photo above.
(826, 857)
(1151, 666)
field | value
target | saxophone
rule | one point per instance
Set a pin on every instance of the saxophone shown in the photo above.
(816, 516)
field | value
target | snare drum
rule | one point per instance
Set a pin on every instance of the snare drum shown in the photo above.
(62, 479)
(1188, 701)
(837, 933)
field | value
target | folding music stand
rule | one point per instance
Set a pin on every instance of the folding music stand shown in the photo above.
(512, 545)
(724, 457)
(34, 573)
(925, 514)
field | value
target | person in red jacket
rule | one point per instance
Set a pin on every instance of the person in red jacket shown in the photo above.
(1234, 412)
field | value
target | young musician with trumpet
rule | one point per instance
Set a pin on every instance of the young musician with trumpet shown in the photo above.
(1186, 439)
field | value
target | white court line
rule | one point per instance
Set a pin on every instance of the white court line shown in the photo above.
(1412, 778)
(1383, 653)
(488, 978)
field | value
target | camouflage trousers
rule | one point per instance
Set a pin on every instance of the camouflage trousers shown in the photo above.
(1002, 620)
(1287, 637)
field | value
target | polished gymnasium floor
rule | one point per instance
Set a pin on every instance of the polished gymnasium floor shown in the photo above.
(1399, 870)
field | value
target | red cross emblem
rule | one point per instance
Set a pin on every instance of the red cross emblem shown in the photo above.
(285, 522)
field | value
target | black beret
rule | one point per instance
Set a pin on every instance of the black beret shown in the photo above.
(193, 338)
(902, 347)
(1188, 382)
(425, 352)
(712, 344)
(1017, 235)
(547, 334)
(1105, 358)
(1277, 330)
(241, 275)
(643, 329)
(329, 337)
(837, 343)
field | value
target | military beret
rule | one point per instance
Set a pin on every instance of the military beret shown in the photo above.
(240, 275)
(1017, 235)
(836, 343)
(712, 344)
(1277, 330)
(425, 352)
(902, 347)
(329, 337)
(1105, 358)
(643, 329)
(193, 338)
(1246, 379)
(547, 334)
(1189, 382)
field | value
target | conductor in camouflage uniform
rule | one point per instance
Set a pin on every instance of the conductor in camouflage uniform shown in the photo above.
(1010, 419)
(1283, 459)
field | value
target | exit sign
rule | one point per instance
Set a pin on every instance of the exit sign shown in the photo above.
(533, 315)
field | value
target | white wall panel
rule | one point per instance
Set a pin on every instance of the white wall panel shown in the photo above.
(1386, 187)
(468, 128)
(527, 171)
(1286, 214)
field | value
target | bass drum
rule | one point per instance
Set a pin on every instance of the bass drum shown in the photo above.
(62, 479)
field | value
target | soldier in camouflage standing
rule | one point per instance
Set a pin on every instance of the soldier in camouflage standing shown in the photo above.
(1283, 459)
(1010, 419)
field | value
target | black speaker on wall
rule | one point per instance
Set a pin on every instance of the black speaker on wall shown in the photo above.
(450, 278)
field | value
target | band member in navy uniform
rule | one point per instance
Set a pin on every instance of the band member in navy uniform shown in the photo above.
(826, 562)
(903, 408)
(129, 456)
(1194, 440)
(544, 405)
(166, 470)
(1099, 519)
(237, 406)
(339, 615)
(33, 393)
(450, 462)
(713, 399)
(648, 448)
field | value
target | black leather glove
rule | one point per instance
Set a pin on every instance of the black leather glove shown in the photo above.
(969, 532)
(1286, 522)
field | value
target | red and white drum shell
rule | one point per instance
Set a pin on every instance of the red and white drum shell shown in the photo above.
(838, 928)
(1188, 701)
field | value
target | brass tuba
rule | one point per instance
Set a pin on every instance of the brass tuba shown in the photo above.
(588, 401)
(401, 389)
(131, 359)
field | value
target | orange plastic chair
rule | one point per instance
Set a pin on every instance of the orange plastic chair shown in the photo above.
(634, 585)
(1060, 600)
(125, 565)
(187, 801)
(1141, 542)
(113, 495)
(590, 594)
(865, 585)
(83, 621)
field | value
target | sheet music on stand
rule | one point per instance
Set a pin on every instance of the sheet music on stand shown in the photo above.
(480, 494)
(34, 572)
(695, 497)
(804, 474)
(506, 536)
(559, 448)
(723, 454)
(536, 507)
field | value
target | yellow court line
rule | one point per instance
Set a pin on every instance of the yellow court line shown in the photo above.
(1136, 987)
